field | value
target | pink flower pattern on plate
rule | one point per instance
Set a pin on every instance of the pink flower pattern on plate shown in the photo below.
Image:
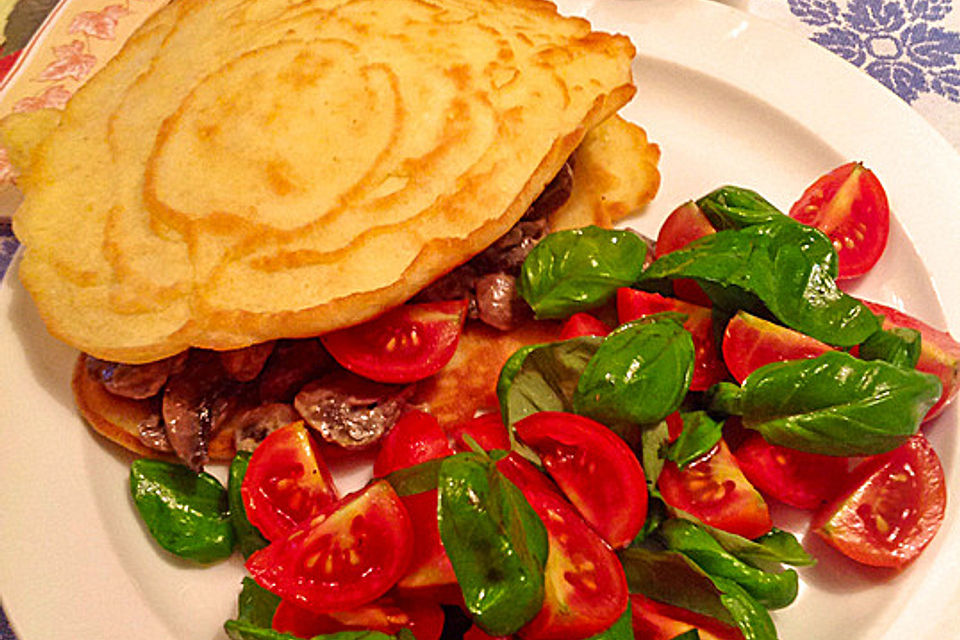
(72, 61)
(99, 24)
(55, 97)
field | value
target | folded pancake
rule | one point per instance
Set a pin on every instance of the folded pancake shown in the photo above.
(246, 170)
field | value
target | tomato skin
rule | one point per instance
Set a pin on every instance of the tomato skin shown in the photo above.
(387, 615)
(287, 482)
(850, 206)
(429, 574)
(715, 490)
(939, 352)
(891, 508)
(347, 556)
(416, 437)
(583, 324)
(585, 586)
(708, 367)
(684, 225)
(594, 468)
(654, 620)
(486, 429)
(750, 342)
(408, 343)
(799, 479)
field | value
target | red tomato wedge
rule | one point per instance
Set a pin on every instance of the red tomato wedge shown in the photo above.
(583, 324)
(415, 438)
(486, 430)
(715, 490)
(890, 509)
(346, 557)
(850, 206)
(750, 342)
(594, 468)
(430, 573)
(684, 225)
(386, 615)
(799, 479)
(526, 475)
(708, 367)
(406, 344)
(654, 620)
(585, 587)
(286, 483)
(939, 352)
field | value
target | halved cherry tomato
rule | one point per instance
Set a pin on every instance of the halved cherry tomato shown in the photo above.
(583, 324)
(803, 480)
(406, 344)
(594, 468)
(526, 475)
(585, 587)
(715, 490)
(939, 352)
(708, 367)
(750, 342)
(347, 556)
(387, 615)
(287, 482)
(654, 620)
(415, 438)
(890, 509)
(684, 225)
(850, 206)
(486, 429)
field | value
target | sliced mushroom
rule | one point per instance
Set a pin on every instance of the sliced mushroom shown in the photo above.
(153, 434)
(137, 381)
(195, 403)
(293, 364)
(499, 303)
(351, 411)
(243, 365)
(253, 425)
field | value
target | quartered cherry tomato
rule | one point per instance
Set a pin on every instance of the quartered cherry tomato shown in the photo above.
(803, 480)
(346, 557)
(406, 344)
(286, 483)
(585, 587)
(890, 509)
(708, 367)
(654, 620)
(387, 615)
(583, 324)
(750, 342)
(939, 352)
(594, 468)
(850, 206)
(486, 430)
(430, 574)
(715, 490)
(684, 225)
(415, 438)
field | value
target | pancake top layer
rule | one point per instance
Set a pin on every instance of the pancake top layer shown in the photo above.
(252, 169)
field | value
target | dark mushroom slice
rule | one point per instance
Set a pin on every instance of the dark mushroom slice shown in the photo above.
(252, 426)
(243, 365)
(152, 433)
(351, 411)
(498, 302)
(137, 381)
(196, 402)
(292, 364)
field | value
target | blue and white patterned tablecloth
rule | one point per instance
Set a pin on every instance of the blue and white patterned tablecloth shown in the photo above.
(910, 46)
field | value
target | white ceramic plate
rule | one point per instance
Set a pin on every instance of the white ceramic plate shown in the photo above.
(731, 100)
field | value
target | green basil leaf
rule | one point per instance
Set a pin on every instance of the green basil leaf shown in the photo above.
(255, 604)
(772, 590)
(700, 434)
(579, 269)
(777, 546)
(622, 629)
(639, 374)
(836, 404)
(654, 442)
(249, 538)
(187, 513)
(240, 630)
(787, 266)
(415, 479)
(753, 620)
(495, 540)
(899, 346)
(543, 377)
(735, 208)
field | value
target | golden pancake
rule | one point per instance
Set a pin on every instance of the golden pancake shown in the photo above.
(246, 170)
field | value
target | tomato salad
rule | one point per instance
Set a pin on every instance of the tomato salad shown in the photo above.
(622, 490)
